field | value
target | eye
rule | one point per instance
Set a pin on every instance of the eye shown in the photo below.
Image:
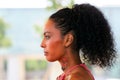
(47, 37)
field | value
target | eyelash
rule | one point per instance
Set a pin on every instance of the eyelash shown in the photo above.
(47, 37)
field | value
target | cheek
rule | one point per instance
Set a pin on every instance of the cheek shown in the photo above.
(56, 49)
(53, 45)
(56, 46)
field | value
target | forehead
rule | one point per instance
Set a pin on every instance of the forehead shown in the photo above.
(49, 24)
(50, 27)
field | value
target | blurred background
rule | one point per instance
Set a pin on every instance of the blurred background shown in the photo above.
(21, 24)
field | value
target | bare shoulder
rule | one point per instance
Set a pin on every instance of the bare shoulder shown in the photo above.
(78, 75)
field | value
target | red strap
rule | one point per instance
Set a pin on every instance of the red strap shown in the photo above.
(84, 66)
(62, 77)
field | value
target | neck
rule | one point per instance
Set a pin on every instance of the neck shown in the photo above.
(69, 60)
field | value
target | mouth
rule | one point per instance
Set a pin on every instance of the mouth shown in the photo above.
(45, 53)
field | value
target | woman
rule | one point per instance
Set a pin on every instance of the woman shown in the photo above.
(70, 31)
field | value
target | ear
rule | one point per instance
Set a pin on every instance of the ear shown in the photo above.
(68, 39)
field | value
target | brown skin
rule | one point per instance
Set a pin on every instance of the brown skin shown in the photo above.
(58, 48)
(79, 74)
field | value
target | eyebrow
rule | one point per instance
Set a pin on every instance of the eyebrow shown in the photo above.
(46, 32)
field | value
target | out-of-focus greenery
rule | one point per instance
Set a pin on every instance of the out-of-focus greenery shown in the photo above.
(39, 29)
(34, 65)
(4, 41)
(57, 4)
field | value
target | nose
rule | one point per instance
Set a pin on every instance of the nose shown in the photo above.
(42, 44)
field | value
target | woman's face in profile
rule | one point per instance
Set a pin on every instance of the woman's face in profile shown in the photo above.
(53, 42)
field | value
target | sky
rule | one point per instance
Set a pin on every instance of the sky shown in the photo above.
(44, 3)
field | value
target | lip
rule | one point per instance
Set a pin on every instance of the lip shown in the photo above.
(45, 53)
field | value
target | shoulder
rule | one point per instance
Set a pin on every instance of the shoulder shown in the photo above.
(79, 75)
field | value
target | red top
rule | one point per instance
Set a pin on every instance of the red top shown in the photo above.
(62, 76)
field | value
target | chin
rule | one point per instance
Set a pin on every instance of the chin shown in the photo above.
(51, 60)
